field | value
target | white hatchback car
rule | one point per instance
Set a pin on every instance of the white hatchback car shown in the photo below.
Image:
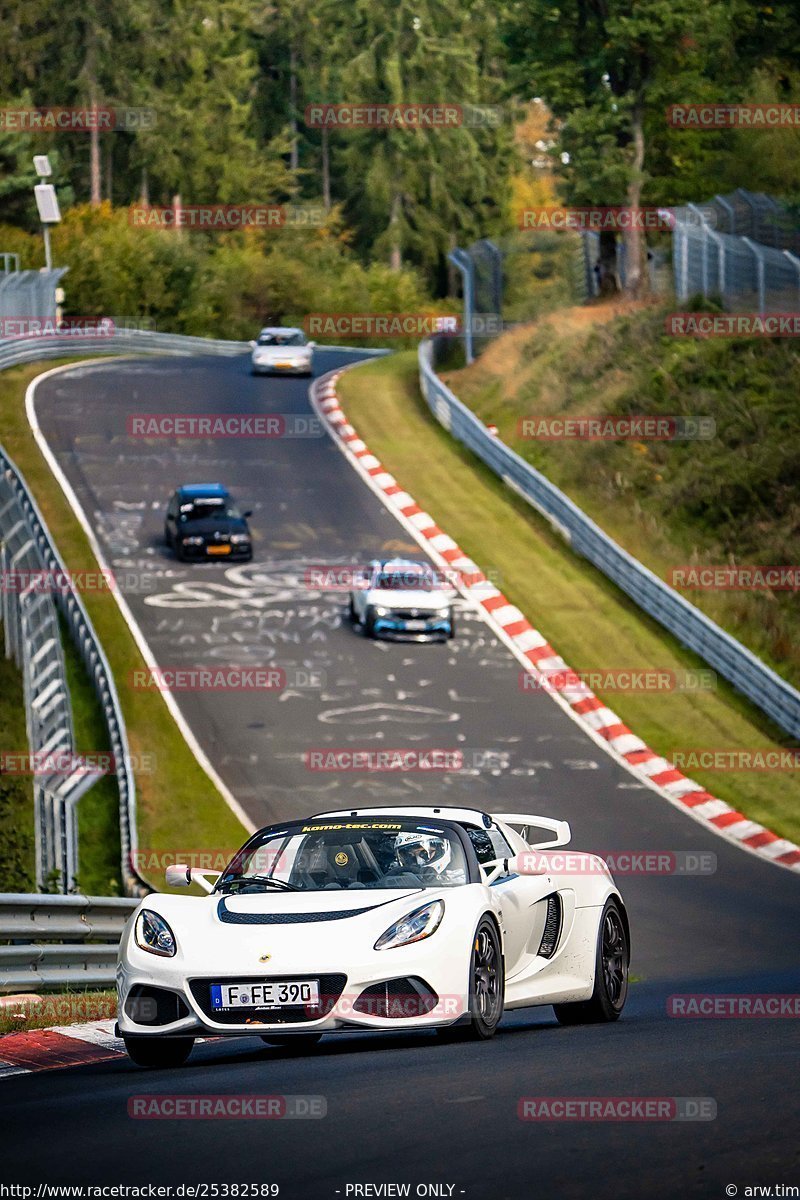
(282, 351)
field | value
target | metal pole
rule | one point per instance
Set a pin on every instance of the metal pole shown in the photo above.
(462, 261)
(759, 254)
(795, 261)
(47, 256)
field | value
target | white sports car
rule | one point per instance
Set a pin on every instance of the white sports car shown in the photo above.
(282, 350)
(377, 918)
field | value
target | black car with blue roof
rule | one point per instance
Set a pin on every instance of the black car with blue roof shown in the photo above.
(203, 522)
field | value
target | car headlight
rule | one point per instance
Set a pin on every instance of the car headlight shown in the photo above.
(443, 613)
(381, 612)
(192, 541)
(154, 934)
(239, 539)
(419, 924)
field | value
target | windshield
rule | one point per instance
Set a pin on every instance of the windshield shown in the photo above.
(408, 579)
(282, 339)
(201, 510)
(353, 855)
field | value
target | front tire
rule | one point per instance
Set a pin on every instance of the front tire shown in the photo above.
(158, 1051)
(487, 984)
(369, 623)
(610, 977)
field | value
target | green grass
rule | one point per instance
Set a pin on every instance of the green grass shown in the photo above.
(58, 1008)
(17, 846)
(588, 621)
(99, 871)
(734, 498)
(177, 803)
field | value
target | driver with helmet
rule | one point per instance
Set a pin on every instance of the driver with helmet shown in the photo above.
(426, 855)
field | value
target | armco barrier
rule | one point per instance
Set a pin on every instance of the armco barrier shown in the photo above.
(691, 627)
(59, 941)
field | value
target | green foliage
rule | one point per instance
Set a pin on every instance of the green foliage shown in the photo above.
(218, 285)
(732, 498)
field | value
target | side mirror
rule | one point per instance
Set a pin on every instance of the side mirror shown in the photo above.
(248, 512)
(311, 345)
(252, 345)
(529, 862)
(180, 876)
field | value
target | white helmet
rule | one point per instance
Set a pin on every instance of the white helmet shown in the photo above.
(415, 850)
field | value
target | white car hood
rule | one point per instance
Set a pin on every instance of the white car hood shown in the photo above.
(407, 598)
(228, 933)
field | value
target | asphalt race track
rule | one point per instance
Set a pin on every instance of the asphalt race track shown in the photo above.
(403, 1109)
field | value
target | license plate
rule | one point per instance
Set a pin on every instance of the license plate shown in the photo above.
(284, 364)
(218, 549)
(416, 624)
(277, 994)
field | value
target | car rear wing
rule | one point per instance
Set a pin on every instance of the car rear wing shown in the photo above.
(522, 822)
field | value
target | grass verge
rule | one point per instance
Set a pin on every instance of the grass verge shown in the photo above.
(18, 1013)
(177, 803)
(585, 617)
(727, 499)
(17, 833)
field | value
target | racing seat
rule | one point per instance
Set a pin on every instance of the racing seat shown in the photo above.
(342, 867)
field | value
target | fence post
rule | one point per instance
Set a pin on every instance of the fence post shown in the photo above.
(795, 261)
(726, 204)
(760, 273)
(462, 261)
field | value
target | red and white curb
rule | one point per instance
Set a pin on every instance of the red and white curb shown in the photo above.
(536, 654)
(59, 1046)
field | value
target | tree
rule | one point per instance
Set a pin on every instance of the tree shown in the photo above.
(412, 191)
(608, 69)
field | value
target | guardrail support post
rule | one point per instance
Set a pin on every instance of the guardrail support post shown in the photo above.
(462, 261)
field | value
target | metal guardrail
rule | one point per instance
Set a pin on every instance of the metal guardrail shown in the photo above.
(60, 940)
(691, 627)
(32, 635)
